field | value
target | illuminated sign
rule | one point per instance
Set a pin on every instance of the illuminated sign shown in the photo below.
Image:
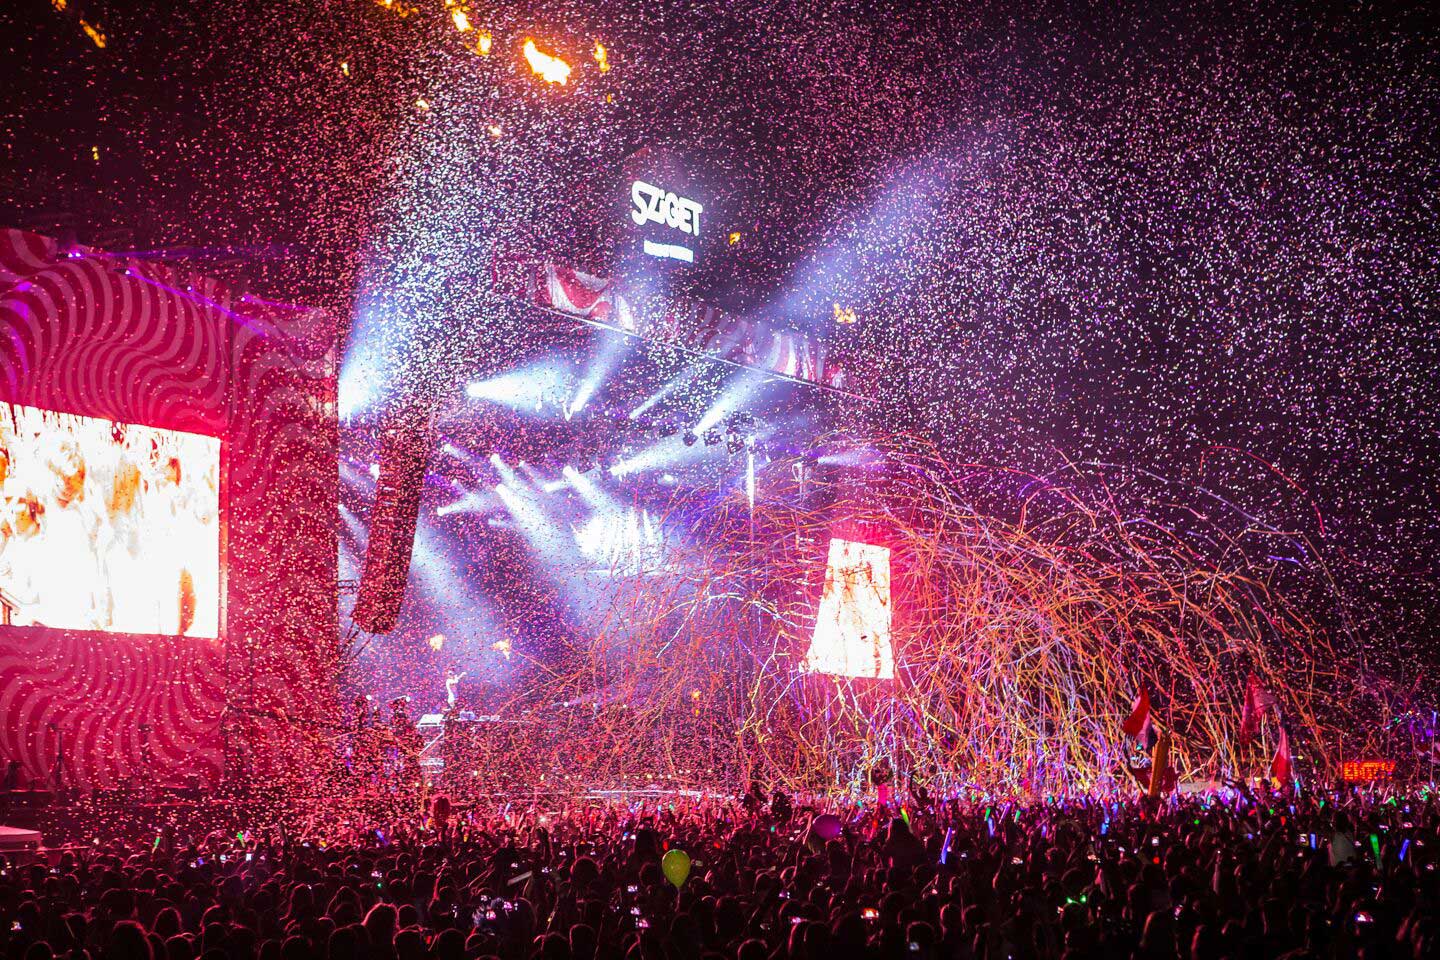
(669, 251)
(1366, 771)
(654, 204)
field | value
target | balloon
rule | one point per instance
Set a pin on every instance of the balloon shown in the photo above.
(676, 867)
(827, 826)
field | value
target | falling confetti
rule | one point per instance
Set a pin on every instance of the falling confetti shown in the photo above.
(1144, 303)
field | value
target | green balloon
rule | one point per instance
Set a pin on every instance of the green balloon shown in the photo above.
(676, 867)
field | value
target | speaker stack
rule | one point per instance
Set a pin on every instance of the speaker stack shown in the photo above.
(405, 442)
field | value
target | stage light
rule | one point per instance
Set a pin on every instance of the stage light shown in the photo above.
(620, 539)
(684, 379)
(494, 130)
(461, 20)
(602, 57)
(483, 42)
(439, 572)
(422, 104)
(526, 388)
(96, 35)
(375, 470)
(509, 476)
(667, 478)
(549, 68)
(366, 370)
(689, 438)
(345, 67)
(600, 366)
(588, 490)
(844, 315)
(437, 641)
(740, 391)
(734, 238)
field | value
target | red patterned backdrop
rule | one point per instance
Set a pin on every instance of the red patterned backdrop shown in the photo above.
(140, 341)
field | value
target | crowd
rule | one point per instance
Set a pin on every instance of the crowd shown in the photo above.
(1323, 875)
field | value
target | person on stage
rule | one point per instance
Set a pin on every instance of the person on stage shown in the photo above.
(452, 686)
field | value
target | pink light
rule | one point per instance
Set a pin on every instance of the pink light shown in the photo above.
(852, 626)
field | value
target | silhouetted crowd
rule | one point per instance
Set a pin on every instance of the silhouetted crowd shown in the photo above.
(1234, 875)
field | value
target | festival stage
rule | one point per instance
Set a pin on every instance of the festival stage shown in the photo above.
(644, 555)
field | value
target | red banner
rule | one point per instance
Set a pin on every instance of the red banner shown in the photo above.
(688, 325)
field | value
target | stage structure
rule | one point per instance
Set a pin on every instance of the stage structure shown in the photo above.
(167, 550)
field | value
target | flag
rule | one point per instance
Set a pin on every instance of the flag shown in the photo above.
(1139, 719)
(1162, 778)
(1257, 701)
(1280, 766)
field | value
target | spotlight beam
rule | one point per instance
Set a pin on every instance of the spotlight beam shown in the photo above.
(700, 355)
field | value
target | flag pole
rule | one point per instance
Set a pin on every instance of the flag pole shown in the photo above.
(1432, 748)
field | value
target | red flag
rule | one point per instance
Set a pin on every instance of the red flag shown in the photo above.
(1280, 766)
(1257, 701)
(1139, 718)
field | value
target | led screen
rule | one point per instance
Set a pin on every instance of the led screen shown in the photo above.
(107, 526)
(852, 625)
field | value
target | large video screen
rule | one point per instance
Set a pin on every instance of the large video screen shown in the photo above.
(852, 624)
(107, 526)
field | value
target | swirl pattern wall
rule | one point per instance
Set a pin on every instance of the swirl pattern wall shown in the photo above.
(149, 343)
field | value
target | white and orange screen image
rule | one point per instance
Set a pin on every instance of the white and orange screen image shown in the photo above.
(107, 526)
(852, 625)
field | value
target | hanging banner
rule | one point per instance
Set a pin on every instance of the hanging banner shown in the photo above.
(686, 324)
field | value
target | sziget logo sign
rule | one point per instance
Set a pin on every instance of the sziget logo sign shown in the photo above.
(656, 205)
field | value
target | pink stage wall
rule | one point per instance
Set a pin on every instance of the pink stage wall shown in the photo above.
(138, 341)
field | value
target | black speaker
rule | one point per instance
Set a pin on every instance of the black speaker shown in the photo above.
(404, 453)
